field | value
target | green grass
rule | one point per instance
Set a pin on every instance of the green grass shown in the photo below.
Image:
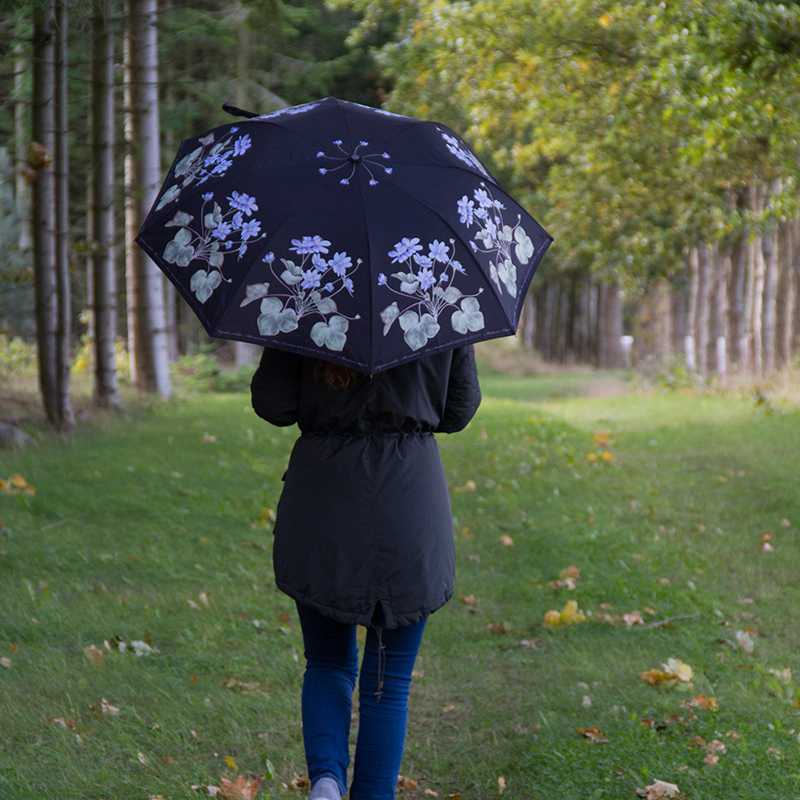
(135, 517)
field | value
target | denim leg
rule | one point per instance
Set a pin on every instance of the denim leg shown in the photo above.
(331, 652)
(382, 725)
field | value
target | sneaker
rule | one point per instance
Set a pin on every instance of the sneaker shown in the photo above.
(325, 788)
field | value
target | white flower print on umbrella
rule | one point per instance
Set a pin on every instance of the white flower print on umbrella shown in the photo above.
(502, 242)
(218, 234)
(310, 288)
(209, 160)
(462, 152)
(427, 295)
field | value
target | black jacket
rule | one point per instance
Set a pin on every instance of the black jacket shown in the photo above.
(364, 523)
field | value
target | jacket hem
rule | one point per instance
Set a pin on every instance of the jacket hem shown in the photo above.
(364, 618)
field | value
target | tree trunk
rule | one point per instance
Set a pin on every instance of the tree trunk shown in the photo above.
(150, 352)
(44, 205)
(63, 288)
(771, 254)
(701, 331)
(787, 293)
(104, 276)
(610, 354)
(718, 345)
(89, 296)
(757, 255)
(22, 191)
(690, 341)
(736, 301)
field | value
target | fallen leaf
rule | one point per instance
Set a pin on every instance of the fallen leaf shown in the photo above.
(502, 783)
(659, 790)
(569, 615)
(506, 540)
(209, 438)
(5, 662)
(64, 723)
(244, 787)
(632, 618)
(404, 782)
(499, 627)
(95, 655)
(108, 708)
(702, 701)
(745, 641)
(593, 734)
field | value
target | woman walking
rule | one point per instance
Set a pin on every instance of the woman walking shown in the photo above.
(363, 536)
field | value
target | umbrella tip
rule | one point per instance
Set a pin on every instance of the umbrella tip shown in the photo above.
(238, 112)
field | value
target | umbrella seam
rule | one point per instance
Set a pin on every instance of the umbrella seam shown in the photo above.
(371, 327)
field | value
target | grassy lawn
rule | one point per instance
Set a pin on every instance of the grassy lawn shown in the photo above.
(145, 528)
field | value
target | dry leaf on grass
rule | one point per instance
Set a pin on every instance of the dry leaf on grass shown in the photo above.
(404, 782)
(702, 701)
(95, 655)
(593, 734)
(659, 790)
(243, 787)
(671, 673)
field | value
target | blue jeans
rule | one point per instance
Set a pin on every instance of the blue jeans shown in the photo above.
(331, 652)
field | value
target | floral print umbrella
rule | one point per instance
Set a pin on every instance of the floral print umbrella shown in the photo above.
(344, 232)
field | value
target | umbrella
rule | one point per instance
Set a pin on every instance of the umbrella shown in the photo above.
(342, 231)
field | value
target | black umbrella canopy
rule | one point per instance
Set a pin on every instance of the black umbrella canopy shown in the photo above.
(344, 232)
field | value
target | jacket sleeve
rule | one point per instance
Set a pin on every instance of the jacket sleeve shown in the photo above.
(463, 391)
(275, 386)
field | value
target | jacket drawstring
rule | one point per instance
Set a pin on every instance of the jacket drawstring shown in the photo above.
(381, 663)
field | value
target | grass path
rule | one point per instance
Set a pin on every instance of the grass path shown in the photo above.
(136, 521)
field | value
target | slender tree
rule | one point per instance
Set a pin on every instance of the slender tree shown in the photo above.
(44, 205)
(62, 254)
(149, 342)
(22, 187)
(103, 270)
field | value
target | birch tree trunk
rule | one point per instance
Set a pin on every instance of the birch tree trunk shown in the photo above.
(690, 348)
(701, 331)
(718, 345)
(150, 354)
(787, 292)
(771, 253)
(44, 205)
(22, 191)
(756, 307)
(104, 276)
(63, 288)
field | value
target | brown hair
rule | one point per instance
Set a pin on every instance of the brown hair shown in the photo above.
(339, 376)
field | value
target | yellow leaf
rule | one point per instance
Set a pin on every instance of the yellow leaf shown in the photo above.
(605, 20)
(552, 619)
(230, 762)
(682, 671)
